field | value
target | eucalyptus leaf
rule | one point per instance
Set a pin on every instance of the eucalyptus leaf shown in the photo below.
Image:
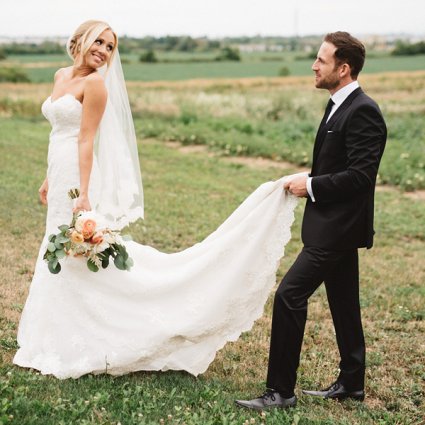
(62, 239)
(63, 228)
(129, 263)
(123, 252)
(119, 262)
(51, 247)
(58, 245)
(49, 256)
(92, 267)
(51, 237)
(54, 267)
(105, 262)
(60, 253)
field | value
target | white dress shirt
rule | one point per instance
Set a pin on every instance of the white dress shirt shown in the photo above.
(338, 98)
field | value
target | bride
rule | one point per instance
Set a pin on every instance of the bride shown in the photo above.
(171, 311)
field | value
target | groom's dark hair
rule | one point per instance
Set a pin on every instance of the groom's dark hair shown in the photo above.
(349, 50)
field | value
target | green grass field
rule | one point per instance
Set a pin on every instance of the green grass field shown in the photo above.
(41, 68)
(187, 196)
(270, 117)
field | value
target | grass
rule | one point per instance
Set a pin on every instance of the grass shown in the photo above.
(41, 68)
(274, 118)
(187, 197)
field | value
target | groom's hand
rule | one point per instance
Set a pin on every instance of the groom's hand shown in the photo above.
(297, 186)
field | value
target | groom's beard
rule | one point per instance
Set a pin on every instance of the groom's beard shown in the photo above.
(329, 82)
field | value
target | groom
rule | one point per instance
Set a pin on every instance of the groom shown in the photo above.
(338, 219)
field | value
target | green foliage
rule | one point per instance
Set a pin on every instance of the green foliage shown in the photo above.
(44, 48)
(228, 54)
(19, 107)
(284, 71)
(174, 65)
(409, 49)
(148, 57)
(92, 266)
(13, 75)
(2, 55)
(60, 244)
(167, 44)
(54, 266)
(55, 249)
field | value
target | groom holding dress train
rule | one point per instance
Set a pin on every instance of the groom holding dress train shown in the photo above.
(338, 219)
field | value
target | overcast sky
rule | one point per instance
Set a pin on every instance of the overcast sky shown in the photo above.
(214, 18)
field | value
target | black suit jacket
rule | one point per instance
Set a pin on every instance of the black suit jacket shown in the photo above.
(346, 157)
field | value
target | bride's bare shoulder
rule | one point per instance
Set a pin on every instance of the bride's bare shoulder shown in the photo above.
(95, 78)
(62, 72)
(94, 85)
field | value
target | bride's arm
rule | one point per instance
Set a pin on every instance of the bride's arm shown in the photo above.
(94, 103)
(42, 192)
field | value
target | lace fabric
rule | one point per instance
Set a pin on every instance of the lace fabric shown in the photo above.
(172, 311)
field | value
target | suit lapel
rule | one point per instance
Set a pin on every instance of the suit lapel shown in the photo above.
(321, 132)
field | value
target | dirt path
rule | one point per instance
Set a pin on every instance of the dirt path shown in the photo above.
(258, 162)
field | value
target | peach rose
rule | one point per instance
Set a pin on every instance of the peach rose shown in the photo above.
(77, 237)
(89, 228)
(97, 238)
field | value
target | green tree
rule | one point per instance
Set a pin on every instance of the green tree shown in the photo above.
(228, 54)
(409, 49)
(186, 44)
(148, 57)
(47, 47)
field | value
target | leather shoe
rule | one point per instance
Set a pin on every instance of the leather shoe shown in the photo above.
(268, 400)
(337, 391)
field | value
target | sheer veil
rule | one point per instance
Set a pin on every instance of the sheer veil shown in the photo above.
(121, 193)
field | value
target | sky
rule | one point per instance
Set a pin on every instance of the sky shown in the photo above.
(214, 18)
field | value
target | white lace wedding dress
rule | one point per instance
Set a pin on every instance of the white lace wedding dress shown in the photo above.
(171, 311)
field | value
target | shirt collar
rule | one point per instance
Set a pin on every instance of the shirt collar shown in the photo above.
(342, 94)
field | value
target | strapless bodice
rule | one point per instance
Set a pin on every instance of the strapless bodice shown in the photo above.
(64, 115)
(63, 172)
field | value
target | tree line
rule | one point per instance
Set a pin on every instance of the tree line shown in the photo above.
(170, 43)
(190, 44)
(409, 49)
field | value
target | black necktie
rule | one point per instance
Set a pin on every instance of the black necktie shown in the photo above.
(321, 127)
(327, 112)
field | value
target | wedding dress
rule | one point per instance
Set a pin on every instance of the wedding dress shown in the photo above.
(171, 311)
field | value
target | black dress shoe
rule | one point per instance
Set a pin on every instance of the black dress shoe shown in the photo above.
(337, 391)
(268, 400)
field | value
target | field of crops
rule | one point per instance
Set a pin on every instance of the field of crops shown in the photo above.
(41, 68)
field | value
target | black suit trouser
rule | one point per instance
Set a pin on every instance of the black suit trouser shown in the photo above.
(340, 272)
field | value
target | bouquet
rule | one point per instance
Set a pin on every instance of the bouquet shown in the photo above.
(89, 237)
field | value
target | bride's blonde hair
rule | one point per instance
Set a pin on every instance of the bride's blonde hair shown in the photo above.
(85, 35)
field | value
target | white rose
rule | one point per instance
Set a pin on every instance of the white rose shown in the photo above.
(100, 247)
(109, 238)
(79, 224)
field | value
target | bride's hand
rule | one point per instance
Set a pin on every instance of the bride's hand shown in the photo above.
(82, 203)
(42, 192)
